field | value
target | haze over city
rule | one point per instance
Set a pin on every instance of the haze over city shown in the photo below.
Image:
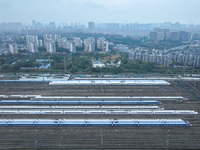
(82, 11)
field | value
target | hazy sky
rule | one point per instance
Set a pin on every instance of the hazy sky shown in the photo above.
(82, 11)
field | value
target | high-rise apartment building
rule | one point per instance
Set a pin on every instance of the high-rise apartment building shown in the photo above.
(32, 39)
(52, 25)
(160, 36)
(32, 43)
(51, 46)
(89, 44)
(72, 48)
(13, 48)
(153, 35)
(64, 43)
(105, 46)
(32, 47)
(78, 42)
(183, 36)
(91, 25)
(172, 35)
(100, 42)
(40, 43)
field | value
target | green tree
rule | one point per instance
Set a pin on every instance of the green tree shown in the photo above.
(16, 66)
(5, 66)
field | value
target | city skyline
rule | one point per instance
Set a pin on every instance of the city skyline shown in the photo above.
(116, 11)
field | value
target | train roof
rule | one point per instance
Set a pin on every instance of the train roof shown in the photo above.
(150, 120)
(39, 111)
(115, 82)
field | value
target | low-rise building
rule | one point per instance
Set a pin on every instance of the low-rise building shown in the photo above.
(97, 63)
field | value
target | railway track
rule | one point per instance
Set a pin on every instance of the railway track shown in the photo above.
(103, 138)
(65, 137)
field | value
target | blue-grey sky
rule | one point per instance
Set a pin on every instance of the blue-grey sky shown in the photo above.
(82, 11)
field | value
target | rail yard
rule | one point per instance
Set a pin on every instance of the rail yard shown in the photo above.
(99, 115)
